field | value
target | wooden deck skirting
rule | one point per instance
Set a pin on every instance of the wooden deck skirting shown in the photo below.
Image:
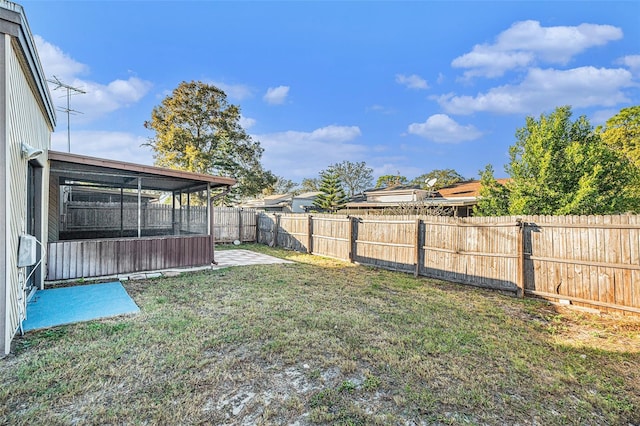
(95, 258)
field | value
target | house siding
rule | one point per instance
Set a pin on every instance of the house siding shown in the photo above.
(24, 122)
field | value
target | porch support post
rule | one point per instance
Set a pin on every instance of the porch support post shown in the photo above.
(188, 212)
(173, 212)
(209, 208)
(121, 211)
(212, 238)
(139, 207)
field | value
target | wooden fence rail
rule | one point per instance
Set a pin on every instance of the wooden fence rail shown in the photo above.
(589, 260)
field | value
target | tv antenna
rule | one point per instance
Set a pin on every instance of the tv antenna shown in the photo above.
(70, 91)
(430, 184)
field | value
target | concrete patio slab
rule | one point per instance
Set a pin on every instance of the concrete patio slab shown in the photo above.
(226, 258)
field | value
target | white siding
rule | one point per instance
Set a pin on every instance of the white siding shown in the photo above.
(25, 121)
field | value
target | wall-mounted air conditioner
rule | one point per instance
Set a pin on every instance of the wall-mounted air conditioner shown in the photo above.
(27, 255)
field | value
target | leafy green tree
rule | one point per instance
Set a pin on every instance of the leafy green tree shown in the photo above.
(622, 133)
(281, 186)
(310, 185)
(355, 177)
(559, 166)
(197, 130)
(494, 197)
(332, 196)
(390, 180)
(445, 177)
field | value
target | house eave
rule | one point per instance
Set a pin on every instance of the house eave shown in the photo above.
(13, 22)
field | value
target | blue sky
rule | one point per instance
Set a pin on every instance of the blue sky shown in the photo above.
(406, 87)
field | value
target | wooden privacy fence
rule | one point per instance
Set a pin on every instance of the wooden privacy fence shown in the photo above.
(94, 216)
(589, 260)
(230, 224)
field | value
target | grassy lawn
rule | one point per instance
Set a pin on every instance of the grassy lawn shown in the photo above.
(326, 342)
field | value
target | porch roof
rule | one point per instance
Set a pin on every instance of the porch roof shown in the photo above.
(74, 168)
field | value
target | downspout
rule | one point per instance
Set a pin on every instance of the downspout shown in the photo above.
(211, 228)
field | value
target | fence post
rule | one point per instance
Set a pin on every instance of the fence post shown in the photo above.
(353, 223)
(309, 234)
(417, 249)
(257, 228)
(520, 265)
(276, 225)
(240, 224)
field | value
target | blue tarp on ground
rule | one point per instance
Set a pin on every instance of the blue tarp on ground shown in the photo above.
(67, 305)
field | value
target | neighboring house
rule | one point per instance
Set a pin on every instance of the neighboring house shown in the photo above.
(271, 203)
(302, 203)
(457, 199)
(396, 194)
(277, 203)
(27, 119)
(282, 203)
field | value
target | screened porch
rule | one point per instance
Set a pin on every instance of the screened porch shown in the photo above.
(110, 217)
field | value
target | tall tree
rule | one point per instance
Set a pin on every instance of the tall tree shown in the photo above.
(356, 177)
(444, 178)
(390, 180)
(622, 133)
(310, 185)
(332, 196)
(281, 186)
(494, 197)
(559, 166)
(196, 129)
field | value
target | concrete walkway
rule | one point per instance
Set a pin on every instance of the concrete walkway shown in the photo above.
(226, 258)
(223, 258)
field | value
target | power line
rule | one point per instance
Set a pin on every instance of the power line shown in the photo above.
(70, 91)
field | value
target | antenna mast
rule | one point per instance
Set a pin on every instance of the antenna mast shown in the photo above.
(70, 91)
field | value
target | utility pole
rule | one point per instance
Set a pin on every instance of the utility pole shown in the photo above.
(70, 91)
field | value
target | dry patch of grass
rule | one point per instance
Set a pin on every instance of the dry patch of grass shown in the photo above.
(325, 342)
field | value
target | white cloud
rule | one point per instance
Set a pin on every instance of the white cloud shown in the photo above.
(412, 81)
(545, 89)
(276, 95)
(102, 144)
(380, 109)
(632, 62)
(601, 116)
(56, 62)
(298, 154)
(441, 128)
(527, 42)
(234, 91)
(99, 99)
(247, 122)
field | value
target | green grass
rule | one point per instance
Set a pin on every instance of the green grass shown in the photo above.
(325, 342)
